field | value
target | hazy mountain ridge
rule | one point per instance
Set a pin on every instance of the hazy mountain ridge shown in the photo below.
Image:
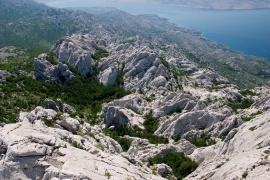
(206, 4)
(29, 24)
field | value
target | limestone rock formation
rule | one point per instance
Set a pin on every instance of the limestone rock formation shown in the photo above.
(46, 71)
(31, 150)
(77, 51)
(243, 155)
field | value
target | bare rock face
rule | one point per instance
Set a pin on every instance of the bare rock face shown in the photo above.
(243, 154)
(76, 51)
(46, 71)
(126, 111)
(108, 77)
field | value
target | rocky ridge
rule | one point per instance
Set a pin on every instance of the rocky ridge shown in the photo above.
(162, 84)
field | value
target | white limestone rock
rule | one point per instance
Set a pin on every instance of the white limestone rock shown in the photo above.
(76, 51)
(108, 77)
(34, 151)
(44, 70)
(244, 151)
(70, 124)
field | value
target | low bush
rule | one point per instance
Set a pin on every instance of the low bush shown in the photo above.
(181, 165)
(203, 141)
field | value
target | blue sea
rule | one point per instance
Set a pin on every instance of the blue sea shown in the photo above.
(247, 31)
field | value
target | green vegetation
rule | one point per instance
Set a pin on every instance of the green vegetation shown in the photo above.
(100, 53)
(181, 165)
(38, 26)
(100, 146)
(164, 62)
(108, 174)
(180, 72)
(203, 141)
(48, 122)
(151, 123)
(176, 137)
(176, 110)
(51, 58)
(251, 116)
(240, 104)
(76, 145)
(252, 128)
(247, 92)
(245, 174)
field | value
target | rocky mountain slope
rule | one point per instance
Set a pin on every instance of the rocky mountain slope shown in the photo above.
(129, 104)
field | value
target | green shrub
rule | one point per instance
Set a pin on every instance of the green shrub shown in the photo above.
(100, 53)
(48, 122)
(151, 123)
(247, 92)
(176, 110)
(240, 104)
(164, 62)
(203, 141)
(181, 165)
(125, 143)
(176, 137)
(76, 145)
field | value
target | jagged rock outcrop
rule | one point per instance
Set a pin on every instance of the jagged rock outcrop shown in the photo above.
(31, 150)
(243, 155)
(46, 71)
(77, 51)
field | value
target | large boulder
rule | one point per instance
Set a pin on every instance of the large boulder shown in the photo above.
(70, 124)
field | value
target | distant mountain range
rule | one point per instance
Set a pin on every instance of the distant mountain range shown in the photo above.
(208, 4)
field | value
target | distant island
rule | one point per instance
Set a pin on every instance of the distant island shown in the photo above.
(205, 4)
